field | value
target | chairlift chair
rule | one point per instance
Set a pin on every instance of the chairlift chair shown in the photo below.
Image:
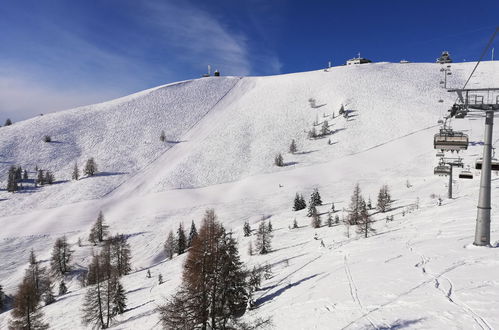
(466, 174)
(494, 164)
(449, 140)
(442, 170)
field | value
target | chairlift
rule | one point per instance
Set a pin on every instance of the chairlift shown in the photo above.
(466, 174)
(442, 170)
(494, 164)
(449, 140)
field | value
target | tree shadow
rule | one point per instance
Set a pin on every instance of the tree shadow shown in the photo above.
(400, 324)
(305, 152)
(174, 141)
(109, 173)
(289, 164)
(271, 296)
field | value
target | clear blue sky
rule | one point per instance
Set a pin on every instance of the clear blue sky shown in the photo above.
(56, 54)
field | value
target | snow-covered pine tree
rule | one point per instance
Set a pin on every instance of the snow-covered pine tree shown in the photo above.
(61, 257)
(40, 179)
(312, 134)
(90, 167)
(311, 210)
(297, 203)
(170, 245)
(246, 229)
(193, 233)
(263, 239)
(63, 289)
(75, 175)
(49, 177)
(118, 300)
(278, 160)
(269, 226)
(315, 197)
(181, 245)
(292, 147)
(325, 128)
(99, 231)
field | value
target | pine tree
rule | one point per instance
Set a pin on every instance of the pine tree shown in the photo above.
(384, 199)
(49, 177)
(181, 245)
(278, 160)
(263, 239)
(193, 233)
(162, 136)
(312, 134)
(26, 313)
(38, 276)
(315, 197)
(170, 245)
(325, 128)
(269, 226)
(311, 210)
(354, 214)
(40, 179)
(63, 289)
(342, 110)
(160, 279)
(292, 147)
(48, 297)
(332, 207)
(25, 175)
(246, 229)
(120, 254)
(295, 224)
(8, 122)
(118, 299)
(61, 257)
(329, 220)
(76, 172)
(369, 204)
(213, 290)
(148, 274)
(99, 231)
(90, 167)
(316, 219)
(336, 219)
(364, 225)
(12, 185)
(299, 203)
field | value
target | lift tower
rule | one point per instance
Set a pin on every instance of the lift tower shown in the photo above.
(486, 100)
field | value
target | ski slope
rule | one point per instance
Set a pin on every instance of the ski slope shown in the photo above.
(418, 271)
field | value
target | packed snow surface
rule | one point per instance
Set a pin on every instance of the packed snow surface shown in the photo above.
(222, 133)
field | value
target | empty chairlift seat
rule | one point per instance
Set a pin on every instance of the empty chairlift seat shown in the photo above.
(466, 174)
(494, 164)
(449, 140)
(442, 170)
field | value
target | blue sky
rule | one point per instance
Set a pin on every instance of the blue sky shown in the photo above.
(57, 54)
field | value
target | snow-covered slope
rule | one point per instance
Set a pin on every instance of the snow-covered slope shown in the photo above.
(222, 136)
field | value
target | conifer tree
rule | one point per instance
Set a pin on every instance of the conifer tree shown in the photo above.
(316, 219)
(76, 172)
(61, 256)
(8, 122)
(384, 199)
(299, 203)
(315, 197)
(278, 160)
(48, 297)
(325, 128)
(2, 299)
(269, 226)
(312, 134)
(342, 110)
(118, 298)
(170, 245)
(25, 175)
(329, 219)
(263, 239)
(193, 233)
(336, 219)
(162, 136)
(148, 274)
(99, 231)
(12, 185)
(311, 210)
(181, 245)
(120, 254)
(295, 224)
(90, 167)
(40, 179)
(246, 229)
(38, 276)
(364, 225)
(292, 147)
(63, 289)
(26, 313)
(160, 279)
(354, 214)
(49, 177)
